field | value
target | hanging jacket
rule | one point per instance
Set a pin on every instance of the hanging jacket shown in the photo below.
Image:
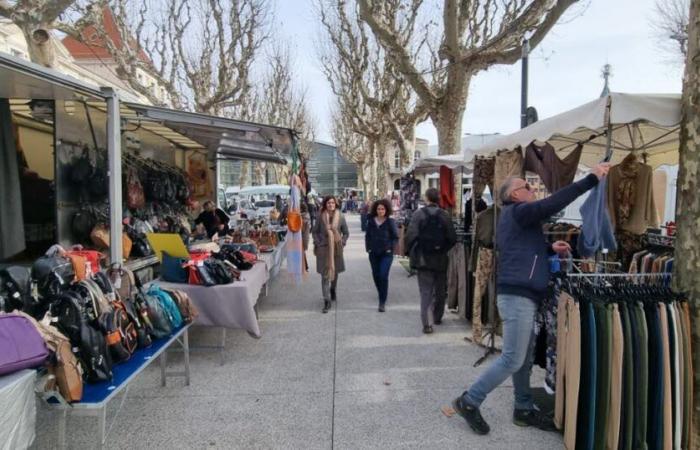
(597, 231)
(523, 251)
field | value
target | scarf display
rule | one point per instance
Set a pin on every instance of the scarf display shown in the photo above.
(294, 239)
(335, 241)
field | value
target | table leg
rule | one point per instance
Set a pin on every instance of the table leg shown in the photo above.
(163, 364)
(186, 351)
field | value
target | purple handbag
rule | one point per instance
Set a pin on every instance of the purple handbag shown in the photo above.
(21, 345)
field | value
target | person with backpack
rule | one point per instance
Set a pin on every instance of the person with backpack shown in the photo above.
(380, 239)
(429, 237)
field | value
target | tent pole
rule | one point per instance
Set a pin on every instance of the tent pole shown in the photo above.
(609, 132)
(114, 156)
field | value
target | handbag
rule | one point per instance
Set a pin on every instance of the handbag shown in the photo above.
(14, 287)
(187, 309)
(171, 269)
(161, 326)
(93, 258)
(21, 344)
(294, 221)
(169, 305)
(135, 198)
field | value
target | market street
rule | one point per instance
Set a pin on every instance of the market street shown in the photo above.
(350, 379)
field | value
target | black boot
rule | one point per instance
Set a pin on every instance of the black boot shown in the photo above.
(326, 306)
(333, 296)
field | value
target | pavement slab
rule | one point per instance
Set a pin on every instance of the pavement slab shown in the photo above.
(350, 379)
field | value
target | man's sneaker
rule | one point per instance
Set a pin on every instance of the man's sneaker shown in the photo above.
(471, 415)
(427, 329)
(533, 418)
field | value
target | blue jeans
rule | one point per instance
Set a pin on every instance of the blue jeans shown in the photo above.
(518, 314)
(381, 265)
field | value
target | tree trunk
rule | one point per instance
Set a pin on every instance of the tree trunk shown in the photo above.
(244, 178)
(259, 174)
(687, 254)
(448, 116)
(40, 43)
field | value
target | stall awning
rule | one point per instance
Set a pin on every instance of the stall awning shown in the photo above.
(645, 123)
(227, 138)
(24, 79)
(431, 164)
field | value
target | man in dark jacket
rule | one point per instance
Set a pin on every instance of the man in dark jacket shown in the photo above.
(522, 280)
(429, 237)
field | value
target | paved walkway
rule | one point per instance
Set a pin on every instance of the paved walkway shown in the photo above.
(350, 379)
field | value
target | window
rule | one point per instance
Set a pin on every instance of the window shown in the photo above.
(416, 155)
(397, 159)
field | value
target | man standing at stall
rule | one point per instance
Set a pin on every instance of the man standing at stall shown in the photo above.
(522, 280)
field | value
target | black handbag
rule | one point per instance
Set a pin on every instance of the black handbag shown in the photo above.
(50, 274)
(205, 276)
(15, 288)
(158, 317)
(218, 271)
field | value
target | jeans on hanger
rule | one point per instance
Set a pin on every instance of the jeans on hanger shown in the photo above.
(518, 316)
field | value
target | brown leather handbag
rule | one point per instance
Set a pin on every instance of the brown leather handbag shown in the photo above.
(135, 198)
(294, 221)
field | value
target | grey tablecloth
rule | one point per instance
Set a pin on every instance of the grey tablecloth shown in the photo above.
(17, 409)
(229, 305)
(274, 259)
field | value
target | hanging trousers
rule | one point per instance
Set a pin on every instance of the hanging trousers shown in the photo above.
(456, 277)
(484, 267)
(680, 371)
(585, 428)
(689, 376)
(667, 443)
(629, 379)
(618, 344)
(643, 400)
(675, 382)
(602, 411)
(568, 368)
(655, 422)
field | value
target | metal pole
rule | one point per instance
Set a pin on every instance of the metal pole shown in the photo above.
(114, 153)
(524, 83)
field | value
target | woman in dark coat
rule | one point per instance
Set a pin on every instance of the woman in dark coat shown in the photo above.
(380, 240)
(330, 233)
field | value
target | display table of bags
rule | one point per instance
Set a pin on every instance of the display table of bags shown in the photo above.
(228, 305)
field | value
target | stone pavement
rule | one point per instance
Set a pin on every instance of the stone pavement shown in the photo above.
(349, 379)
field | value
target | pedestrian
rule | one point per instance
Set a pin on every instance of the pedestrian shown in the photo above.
(330, 235)
(380, 239)
(523, 277)
(364, 212)
(429, 237)
(305, 232)
(213, 219)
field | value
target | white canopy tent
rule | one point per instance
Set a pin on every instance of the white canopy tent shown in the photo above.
(431, 164)
(645, 123)
(267, 189)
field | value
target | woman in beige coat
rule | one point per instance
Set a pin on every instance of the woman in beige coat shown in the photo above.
(330, 233)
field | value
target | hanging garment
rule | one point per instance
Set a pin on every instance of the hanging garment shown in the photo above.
(12, 239)
(568, 368)
(484, 268)
(604, 343)
(675, 373)
(627, 245)
(546, 330)
(483, 234)
(447, 188)
(630, 196)
(465, 301)
(508, 164)
(555, 173)
(642, 398)
(613, 427)
(456, 276)
(667, 441)
(596, 230)
(585, 427)
(655, 409)
(483, 175)
(628, 381)
(689, 374)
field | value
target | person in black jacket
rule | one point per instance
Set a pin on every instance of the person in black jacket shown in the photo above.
(381, 237)
(523, 277)
(429, 237)
(213, 219)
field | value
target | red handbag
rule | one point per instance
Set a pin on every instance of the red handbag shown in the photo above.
(93, 258)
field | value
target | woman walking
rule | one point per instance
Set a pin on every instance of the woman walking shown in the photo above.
(380, 239)
(330, 233)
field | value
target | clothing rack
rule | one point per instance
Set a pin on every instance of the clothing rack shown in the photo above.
(620, 275)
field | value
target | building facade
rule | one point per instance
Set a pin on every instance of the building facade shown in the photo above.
(330, 173)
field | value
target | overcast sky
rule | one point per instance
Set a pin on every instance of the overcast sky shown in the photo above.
(564, 70)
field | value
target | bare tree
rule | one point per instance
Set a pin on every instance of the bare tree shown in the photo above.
(670, 23)
(475, 35)
(200, 51)
(355, 148)
(687, 268)
(37, 19)
(380, 104)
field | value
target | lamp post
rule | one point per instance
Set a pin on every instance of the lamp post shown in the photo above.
(524, 82)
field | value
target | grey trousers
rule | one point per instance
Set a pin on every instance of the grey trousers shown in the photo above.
(327, 285)
(433, 292)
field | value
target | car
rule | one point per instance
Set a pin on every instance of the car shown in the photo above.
(264, 208)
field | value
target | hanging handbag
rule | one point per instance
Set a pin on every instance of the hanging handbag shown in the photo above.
(100, 236)
(294, 221)
(135, 198)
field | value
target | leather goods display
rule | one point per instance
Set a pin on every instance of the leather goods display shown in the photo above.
(161, 326)
(14, 288)
(22, 346)
(93, 257)
(172, 270)
(51, 273)
(135, 198)
(80, 266)
(62, 363)
(169, 306)
(218, 271)
(120, 332)
(187, 309)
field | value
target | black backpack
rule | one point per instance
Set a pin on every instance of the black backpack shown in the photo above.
(433, 233)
